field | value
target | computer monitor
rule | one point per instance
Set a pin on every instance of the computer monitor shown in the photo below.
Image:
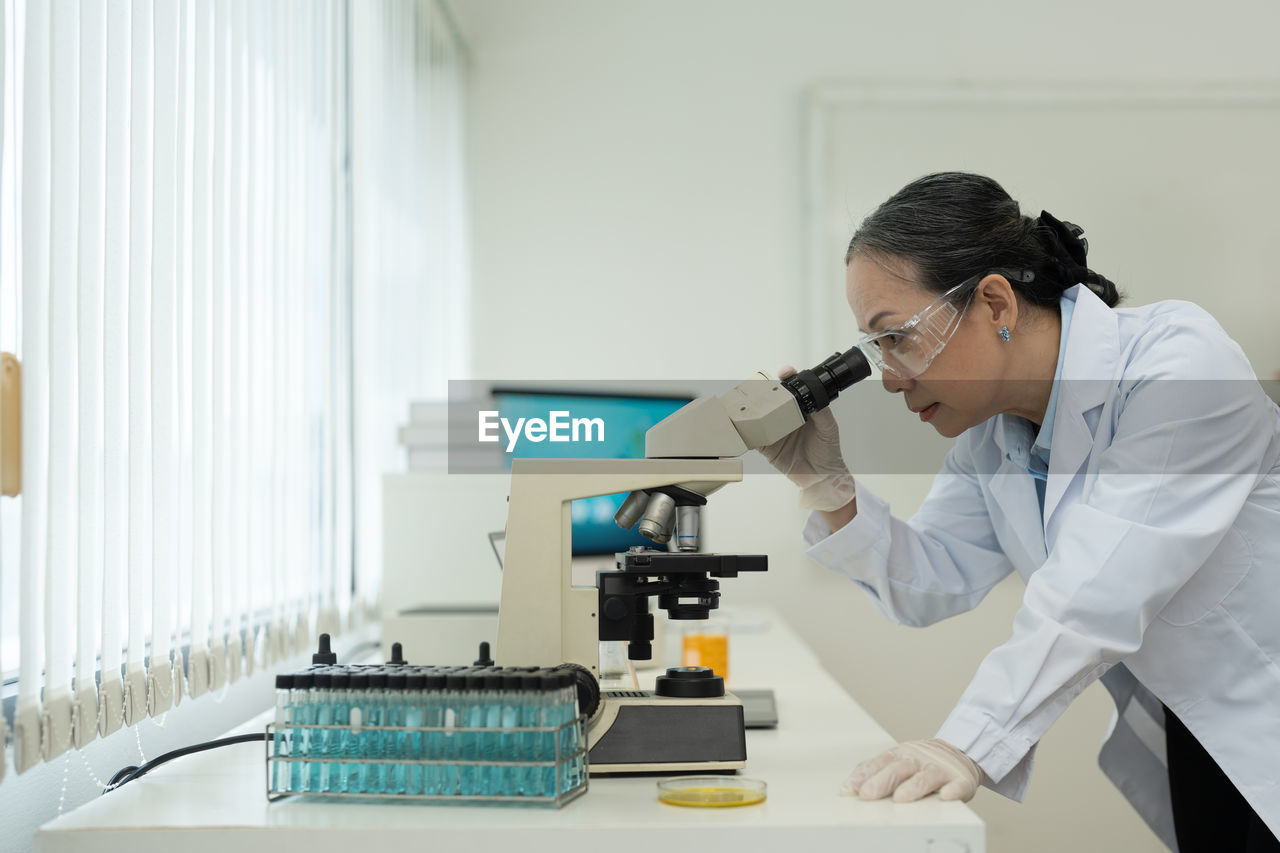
(627, 416)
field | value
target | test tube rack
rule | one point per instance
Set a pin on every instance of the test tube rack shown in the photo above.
(429, 734)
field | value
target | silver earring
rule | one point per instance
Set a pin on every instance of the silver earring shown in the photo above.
(1004, 334)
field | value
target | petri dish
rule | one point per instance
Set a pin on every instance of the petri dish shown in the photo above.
(711, 792)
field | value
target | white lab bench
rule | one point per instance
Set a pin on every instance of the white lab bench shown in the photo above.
(215, 801)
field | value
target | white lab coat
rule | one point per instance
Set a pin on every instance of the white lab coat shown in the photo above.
(1155, 565)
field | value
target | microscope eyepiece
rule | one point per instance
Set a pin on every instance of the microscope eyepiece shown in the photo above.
(815, 389)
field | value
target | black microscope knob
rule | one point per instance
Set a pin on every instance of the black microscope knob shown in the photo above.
(690, 682)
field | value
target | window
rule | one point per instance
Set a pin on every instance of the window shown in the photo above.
(177, 252)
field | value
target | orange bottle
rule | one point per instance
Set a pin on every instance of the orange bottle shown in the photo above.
(706, 644)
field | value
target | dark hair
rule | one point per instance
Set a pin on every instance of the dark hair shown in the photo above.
(955, 225)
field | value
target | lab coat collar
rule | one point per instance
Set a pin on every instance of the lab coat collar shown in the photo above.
(1093, 346)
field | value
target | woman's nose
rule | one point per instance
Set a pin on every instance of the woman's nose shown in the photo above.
(893, 383)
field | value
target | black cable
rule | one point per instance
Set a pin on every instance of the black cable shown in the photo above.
(128, 774)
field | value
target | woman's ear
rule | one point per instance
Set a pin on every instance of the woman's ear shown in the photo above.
(996, 302)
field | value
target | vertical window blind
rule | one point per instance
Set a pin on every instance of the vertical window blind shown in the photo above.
(178, 180)
(410, 310)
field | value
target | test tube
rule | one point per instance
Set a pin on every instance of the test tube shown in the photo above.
(375, 735)
(415, 701)
(548, 718)
(340, 735)
(357, 744)
(300, 714)
(284, 689)
(452, 750)
(492, 777)
(473, 716)
(508, 742)
(395, 742)
(530, 684)
(321, 741)
(433, 742)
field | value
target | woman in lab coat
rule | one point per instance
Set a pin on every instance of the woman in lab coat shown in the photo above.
(1124, 462)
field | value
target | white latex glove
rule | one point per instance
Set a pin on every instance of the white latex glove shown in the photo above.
(810, 457)
(913, 770)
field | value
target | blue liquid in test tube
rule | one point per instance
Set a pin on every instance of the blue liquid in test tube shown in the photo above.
(492, 777)
(452, 747)
(548, 718)
(395, 742)
(321, 740)
(373, 745)
(474, 715)
(339, 736)
(433, 742)
(415, 701)
(530, 740)
(300, 712)
(509, 742)
(280, 769)
(357, 737)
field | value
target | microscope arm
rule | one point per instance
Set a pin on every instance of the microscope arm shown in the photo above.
(751, 415)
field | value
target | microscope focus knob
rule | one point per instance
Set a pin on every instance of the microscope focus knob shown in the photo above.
(690, 682)
(615, 609)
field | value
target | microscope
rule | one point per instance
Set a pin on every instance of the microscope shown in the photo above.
(689, 722)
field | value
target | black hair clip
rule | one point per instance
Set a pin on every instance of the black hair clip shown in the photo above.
(1070, 236)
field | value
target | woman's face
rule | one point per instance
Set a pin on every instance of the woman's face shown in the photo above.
(961, 386)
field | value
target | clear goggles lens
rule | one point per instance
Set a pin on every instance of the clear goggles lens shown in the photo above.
(907, 350)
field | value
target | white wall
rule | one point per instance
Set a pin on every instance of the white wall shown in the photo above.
(637, 175)
(641, 162)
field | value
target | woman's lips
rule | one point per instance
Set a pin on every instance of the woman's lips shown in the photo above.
(927, 413)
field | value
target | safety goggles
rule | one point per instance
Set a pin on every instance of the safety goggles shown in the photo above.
(908, 349)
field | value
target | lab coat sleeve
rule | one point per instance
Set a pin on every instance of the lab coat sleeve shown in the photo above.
(1183, 459)
(940, 563)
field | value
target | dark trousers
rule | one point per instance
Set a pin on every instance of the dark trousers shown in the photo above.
(1209, 814)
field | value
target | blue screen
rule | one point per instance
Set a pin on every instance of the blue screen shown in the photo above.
(626, 420)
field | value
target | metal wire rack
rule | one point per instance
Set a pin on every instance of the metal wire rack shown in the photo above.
(446, 779)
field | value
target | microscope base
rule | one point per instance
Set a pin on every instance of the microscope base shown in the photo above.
(639, 732)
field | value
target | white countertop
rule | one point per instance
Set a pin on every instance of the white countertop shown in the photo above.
(215, 801)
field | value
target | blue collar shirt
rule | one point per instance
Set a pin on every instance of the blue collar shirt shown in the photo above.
(1038, 458)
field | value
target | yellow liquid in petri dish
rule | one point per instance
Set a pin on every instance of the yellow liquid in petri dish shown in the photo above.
(717, 797)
